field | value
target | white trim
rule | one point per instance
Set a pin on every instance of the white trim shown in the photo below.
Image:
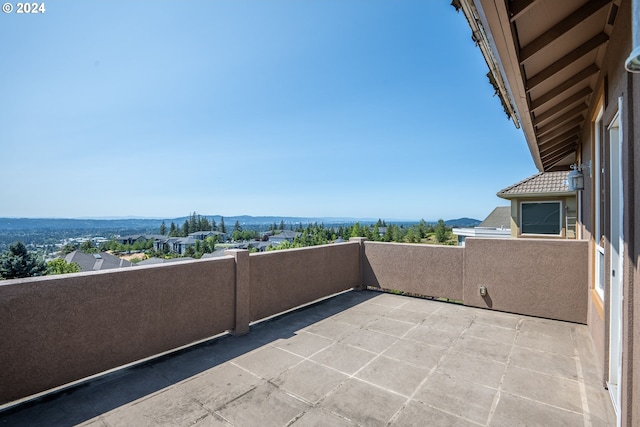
(616, 276)
(597, 172)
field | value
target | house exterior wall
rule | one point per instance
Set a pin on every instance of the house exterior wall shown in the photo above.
(614, 82)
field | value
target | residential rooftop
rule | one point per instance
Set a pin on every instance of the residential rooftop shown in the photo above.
(543, 183)
(360, 358)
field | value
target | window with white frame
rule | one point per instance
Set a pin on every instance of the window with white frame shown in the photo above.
(541, 218)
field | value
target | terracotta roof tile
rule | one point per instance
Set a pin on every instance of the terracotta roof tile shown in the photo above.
(540, 183)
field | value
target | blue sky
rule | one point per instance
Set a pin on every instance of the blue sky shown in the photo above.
(338, 108)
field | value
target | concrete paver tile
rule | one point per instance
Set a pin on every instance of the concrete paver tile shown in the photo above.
(457, 396)
(390, 300)
(494, 318)
(303, 344)
(473, 369)
(390, 326)
(491, 332)
(515, 411)
(309, 381)
(264, 406)
(417, 353)
(219, 386)
(394, 375)
(355, 317)
(362, 403)
(431, 336)
(331, 329)
(550, 328)
(316, 417)
(369, 340)
(449, 322)
(601, 412)
(546, 343)
(484, 348)
(553, 390)
(419, 414)
(169, 407)
(344, 358)
(419, 305)
(267, 362)
(408, 316)
(548, 363)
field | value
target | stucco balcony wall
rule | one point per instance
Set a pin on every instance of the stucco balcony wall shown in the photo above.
(537, 277)
(55, 330)
(433, 271)
(282, 280)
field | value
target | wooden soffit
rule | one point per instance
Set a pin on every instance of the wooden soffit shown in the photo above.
(559, 49)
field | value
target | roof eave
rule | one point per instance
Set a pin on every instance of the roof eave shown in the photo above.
(502, 60)
(536, 195)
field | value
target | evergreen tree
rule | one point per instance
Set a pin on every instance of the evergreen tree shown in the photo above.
(214, 226)
(223, 229)
(441, 231)
(163, 228)
(17, 263)
(173, 231)
(282, 224)
(237, 226)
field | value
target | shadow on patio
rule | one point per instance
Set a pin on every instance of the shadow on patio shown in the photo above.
(358, 358)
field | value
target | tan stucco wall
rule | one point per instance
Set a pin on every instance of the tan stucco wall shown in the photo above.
(59, 329)
(434, 271)
(538, 277)
(281, 280)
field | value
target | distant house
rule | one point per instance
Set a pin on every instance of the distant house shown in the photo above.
(495, 226)
(155, 260)
(133, 238)
(180, 244)
(201, 235)
(542, 206)
(284, 236)
(97, 261)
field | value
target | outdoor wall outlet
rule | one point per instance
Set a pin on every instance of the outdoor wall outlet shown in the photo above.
(483, 291)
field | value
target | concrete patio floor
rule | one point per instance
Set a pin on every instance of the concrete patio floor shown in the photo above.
(357, 359)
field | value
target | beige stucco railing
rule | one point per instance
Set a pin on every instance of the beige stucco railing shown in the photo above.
(60, 329)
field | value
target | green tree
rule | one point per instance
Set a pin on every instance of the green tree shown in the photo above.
(173, 230)
(237, 226)
(88, 247)
(68, 248)
(17, 263)
(190, 251)
(60, 266)
(222, 228)
(441, 231)
(163, 228)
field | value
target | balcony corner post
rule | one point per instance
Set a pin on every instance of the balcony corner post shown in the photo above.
(362, 286)
(242, 290)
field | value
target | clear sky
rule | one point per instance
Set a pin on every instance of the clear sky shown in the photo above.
(338, 108)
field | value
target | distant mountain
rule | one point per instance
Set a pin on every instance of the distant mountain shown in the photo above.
(463, 222)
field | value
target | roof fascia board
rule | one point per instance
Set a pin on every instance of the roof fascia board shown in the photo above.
(494, 17)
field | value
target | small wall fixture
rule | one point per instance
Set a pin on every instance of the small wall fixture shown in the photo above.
(483, 291)
(575, 180)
